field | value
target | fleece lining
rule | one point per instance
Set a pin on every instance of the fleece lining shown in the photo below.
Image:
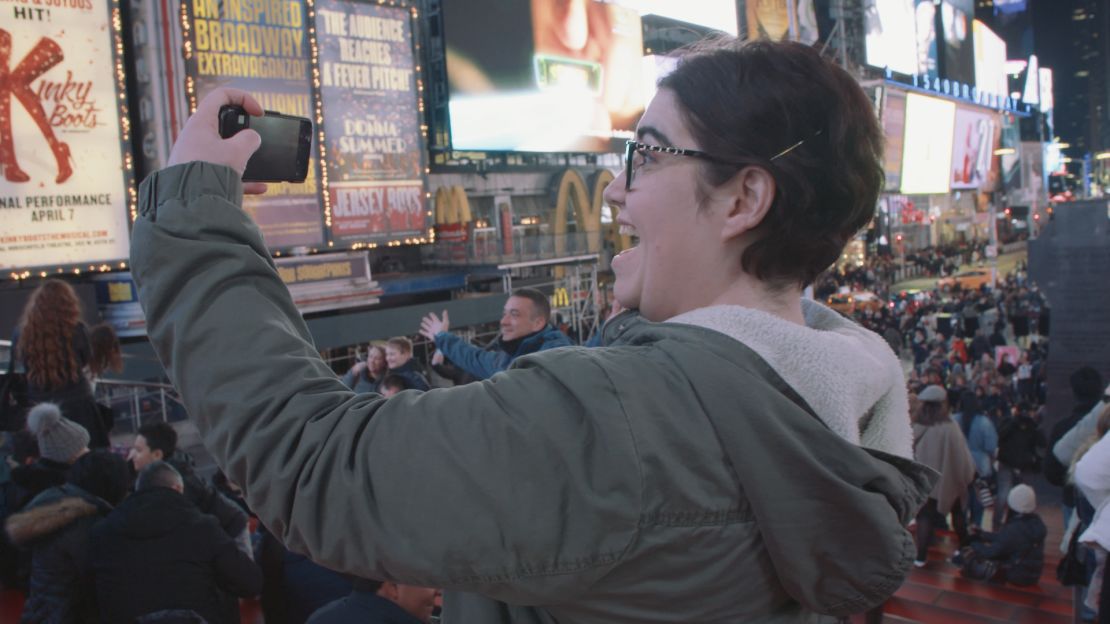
(847, 374)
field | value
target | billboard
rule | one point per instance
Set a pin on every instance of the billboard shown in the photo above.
(66, 185)
(894, 128)
(374, 152)
(958, 47)
(261, 48)
(715, 14)
(890, 34)
(767, 19)
(973, 147)
(1045, 89)
(542, 75)
(925, 36)
(990, 60)
(927, 150)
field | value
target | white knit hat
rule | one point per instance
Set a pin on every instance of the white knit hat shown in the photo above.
(60, 439)
(1022, 499)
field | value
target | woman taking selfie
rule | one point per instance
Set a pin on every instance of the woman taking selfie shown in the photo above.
(732, 454)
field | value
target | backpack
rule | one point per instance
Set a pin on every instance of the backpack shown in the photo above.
(1017, 444)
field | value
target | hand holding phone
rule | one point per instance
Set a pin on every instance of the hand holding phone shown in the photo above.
(286, 143)
(200, 139)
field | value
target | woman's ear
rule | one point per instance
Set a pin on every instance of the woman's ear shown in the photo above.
(748, 197)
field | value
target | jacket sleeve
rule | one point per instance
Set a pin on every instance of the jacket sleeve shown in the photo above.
(478, 362)
(514, 487)
(1002, 544)
(236, 573)
(1092, 473)
(1066, 446)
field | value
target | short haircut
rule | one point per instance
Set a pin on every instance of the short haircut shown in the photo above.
(1086, 384)
(754, 101)
(158, 474)
(538, 299)
(160, 436)
(103, 474)
(401, 343)
(395, 381)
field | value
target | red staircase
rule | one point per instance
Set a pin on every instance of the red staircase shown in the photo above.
(938, 594)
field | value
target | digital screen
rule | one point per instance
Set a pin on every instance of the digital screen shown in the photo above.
(927, 150)
(716, 14)
(925, 36)
(894, 128)
(959, 52)
(276, 157)
(543, 75)
(990, 61)
(890, 35)
(973, 147)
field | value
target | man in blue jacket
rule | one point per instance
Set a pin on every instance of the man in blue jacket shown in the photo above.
(524, 329)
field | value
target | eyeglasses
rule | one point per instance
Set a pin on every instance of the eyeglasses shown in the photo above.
(631, 148)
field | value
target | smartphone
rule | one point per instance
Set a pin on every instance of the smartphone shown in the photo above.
(286, 144)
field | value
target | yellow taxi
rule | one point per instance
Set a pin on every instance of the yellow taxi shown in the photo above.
(970, 279)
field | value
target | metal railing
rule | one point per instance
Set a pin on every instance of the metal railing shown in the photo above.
(136, 403)
(483, 247)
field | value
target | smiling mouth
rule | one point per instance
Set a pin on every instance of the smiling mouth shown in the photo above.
(628, 230)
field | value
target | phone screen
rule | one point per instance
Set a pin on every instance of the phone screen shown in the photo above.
(284, 153)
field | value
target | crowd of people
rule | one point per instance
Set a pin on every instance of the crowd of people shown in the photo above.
(547, 483)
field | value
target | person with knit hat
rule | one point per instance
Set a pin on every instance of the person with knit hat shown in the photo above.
(939, 444)
(1015, 554)
(60, 440)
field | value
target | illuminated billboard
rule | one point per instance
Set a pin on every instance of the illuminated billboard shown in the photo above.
(894, 128)
(374, 153)
(990, 61)
(958, 48)
(975, 132)
(261, 48)
(927, 150)
(925, 36)
(66, 187)
(891, 34)
(716, 14)
(543, 75)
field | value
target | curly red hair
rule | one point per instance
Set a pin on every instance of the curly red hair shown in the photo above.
(46, 339)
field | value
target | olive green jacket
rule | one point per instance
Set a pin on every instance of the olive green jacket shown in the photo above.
(669, 477)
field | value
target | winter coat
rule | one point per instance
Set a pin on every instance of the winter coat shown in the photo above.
(1068, 443)
(362, 383)
(483, 363)
(76, 399)
(943, 448)
(233, 520)
(410, 371)
(563, 488)
(36, 478)
(156, 551)
(1019, 547)
(55, 527)
(982, 441)
(1092, 477)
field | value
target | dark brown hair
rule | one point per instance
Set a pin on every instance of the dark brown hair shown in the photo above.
(105, 349)
(748, 102)
(46, 336)
(542, 307)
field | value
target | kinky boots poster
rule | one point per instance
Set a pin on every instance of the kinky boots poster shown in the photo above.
(262, 48)
(65, 186)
